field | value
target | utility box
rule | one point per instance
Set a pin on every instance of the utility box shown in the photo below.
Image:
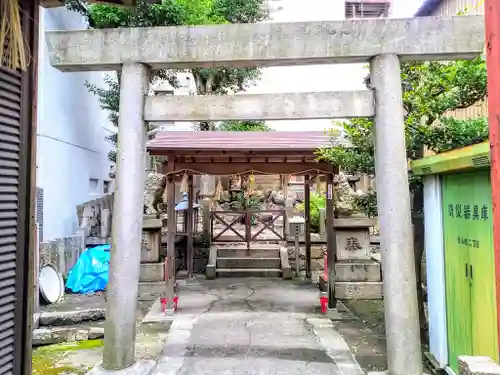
(460, 254)
(296, 224)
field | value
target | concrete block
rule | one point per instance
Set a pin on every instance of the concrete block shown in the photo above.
(358, 290)
(468, 365)
(357, 271)
(286, 269)
(62, 318)
(151, 272)
(151, 291)
(156, 319)
(290, 106)
(143, 367)
(57, 335)
(248, 262)
(210, 272)
(151, 222)
(261, 44)
(96, 333)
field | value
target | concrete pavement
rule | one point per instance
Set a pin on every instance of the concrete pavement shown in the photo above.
(253, 326)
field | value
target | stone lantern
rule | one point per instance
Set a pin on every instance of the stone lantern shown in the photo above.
(181, 210)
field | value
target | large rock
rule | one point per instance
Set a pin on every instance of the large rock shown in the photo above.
(468, 365)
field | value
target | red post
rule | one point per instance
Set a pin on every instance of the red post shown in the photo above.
(492, 23)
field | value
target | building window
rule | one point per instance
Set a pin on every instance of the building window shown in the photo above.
(164, 92)
(93, 185)
(367, 8)
(105, 186)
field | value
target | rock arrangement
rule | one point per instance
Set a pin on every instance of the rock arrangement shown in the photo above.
(344, 197)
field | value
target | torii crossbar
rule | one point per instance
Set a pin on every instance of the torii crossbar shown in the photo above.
(381, 42)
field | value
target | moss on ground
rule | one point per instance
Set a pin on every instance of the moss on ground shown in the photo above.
(49, 360)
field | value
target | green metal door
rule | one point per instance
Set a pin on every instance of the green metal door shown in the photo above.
(458, 306)
(469, 266)
(482, 264)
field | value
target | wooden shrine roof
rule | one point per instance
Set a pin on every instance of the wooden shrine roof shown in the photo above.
(230, 153)
(216, 142)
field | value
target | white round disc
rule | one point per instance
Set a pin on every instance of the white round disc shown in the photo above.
(51, 285)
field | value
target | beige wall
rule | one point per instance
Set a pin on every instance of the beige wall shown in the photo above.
(453, 7)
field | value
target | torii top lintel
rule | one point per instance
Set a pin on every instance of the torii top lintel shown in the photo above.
(268, 44)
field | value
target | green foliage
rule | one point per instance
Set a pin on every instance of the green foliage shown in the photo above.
(358, 157)
(247, 202)
(244, 126)
(430, 90)
(317, 202)
(452, 133)
(367, 203)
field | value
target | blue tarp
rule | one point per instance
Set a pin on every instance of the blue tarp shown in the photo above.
(90, 273)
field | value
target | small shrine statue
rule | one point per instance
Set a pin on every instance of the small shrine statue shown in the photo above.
(153, 193)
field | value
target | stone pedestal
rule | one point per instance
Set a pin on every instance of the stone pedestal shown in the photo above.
(152, 273)
(151, 240)
(357, 275)
(353, 238)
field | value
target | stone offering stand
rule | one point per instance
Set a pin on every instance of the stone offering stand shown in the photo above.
(357, 275)
(152, 274)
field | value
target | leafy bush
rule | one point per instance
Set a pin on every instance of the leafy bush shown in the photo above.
(244, 126)
(317, 202)
(367, 203)
(452, 133)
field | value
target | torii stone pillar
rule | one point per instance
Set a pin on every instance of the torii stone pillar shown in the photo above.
(391, 165)
(119, 332)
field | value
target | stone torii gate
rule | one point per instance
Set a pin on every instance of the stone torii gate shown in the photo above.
(381, 42)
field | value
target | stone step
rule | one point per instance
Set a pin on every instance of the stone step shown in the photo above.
(151, 291)
(357, 271)
(151, 272)
(244, 253)
(358, 290)
(248, 272)
(248, 262)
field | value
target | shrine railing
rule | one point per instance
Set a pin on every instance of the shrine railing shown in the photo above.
(248, 226)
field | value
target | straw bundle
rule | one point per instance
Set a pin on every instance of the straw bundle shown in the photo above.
(12, 47)
(184, 183)
(218, 190)
(251, 183)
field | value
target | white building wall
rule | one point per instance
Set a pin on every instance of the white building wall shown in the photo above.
(187, 86)
(72, 162)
